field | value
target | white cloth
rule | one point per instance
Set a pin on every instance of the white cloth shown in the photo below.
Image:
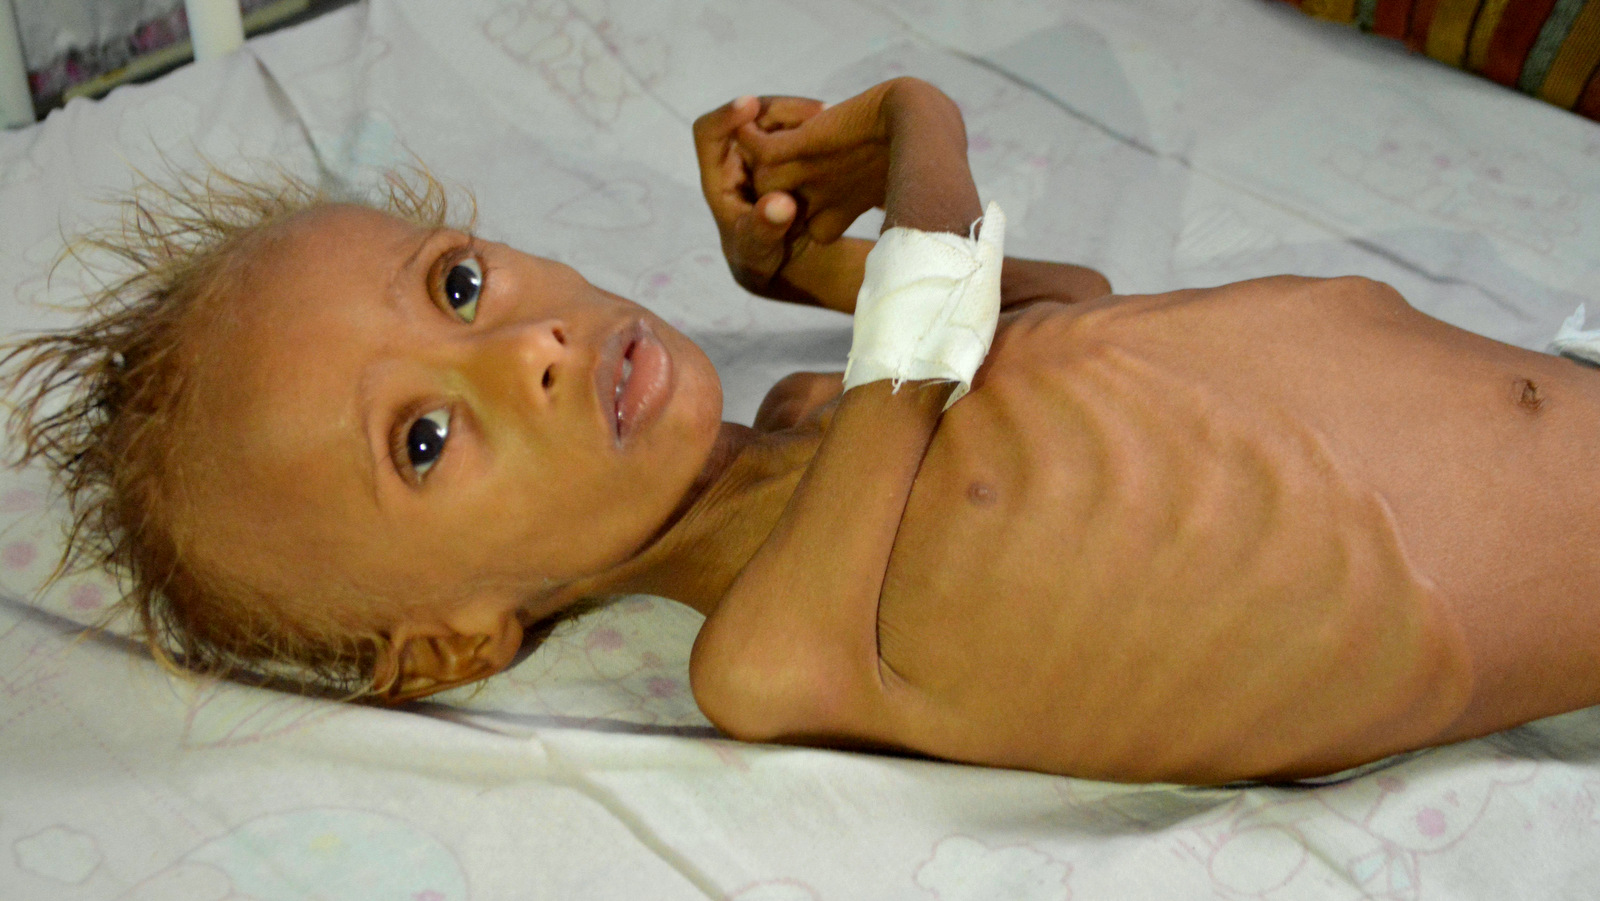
(1572, 340)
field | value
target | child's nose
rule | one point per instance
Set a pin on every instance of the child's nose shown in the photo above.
(525, 361)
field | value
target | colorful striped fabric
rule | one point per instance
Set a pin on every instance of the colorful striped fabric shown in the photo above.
(1547, 48)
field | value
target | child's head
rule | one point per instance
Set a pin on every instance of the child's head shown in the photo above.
(352, 439)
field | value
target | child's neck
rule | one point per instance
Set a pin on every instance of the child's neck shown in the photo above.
(725, 518)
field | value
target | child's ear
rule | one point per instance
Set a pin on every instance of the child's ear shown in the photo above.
(421, 661)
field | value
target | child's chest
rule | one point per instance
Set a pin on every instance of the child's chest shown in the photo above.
(1100, 553)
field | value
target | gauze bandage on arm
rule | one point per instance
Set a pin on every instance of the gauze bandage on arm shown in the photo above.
(928, 306)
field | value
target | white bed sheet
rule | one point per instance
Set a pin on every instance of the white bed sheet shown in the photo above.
(1168, 142)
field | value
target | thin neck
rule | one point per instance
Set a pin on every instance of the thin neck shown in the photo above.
(725, 517)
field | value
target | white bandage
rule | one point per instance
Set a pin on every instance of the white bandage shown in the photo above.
(928, 306)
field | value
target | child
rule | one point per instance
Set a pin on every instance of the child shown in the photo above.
(1272, 529)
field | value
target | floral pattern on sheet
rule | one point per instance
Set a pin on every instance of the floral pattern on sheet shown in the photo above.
(626, 662)
(575, 47)
(1387, 836)
(58, 853)
(30, 547)
(326, 852)
(963, 868)
(1511, 198)
(219, 715)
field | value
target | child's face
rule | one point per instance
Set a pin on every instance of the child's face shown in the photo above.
(433, 421)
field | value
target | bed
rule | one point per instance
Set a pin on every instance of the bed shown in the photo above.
(1167, 142)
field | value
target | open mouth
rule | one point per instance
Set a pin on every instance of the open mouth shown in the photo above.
(625, 373)
(637, 379)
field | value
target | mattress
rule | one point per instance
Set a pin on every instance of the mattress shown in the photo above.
(1169, 143)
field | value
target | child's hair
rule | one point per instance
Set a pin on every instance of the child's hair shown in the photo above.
(100, 404)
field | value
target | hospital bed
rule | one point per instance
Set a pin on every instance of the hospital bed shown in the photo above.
(1168, 143)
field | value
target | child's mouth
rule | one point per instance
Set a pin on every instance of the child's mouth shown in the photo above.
(642, 380)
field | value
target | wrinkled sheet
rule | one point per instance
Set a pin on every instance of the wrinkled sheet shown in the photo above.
(1170, 143)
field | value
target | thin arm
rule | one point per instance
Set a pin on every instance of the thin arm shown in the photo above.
(791, 653)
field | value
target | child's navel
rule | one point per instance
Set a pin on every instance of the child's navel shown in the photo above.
(1529, 398)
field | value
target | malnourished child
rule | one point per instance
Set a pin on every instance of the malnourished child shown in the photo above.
(1272, 529)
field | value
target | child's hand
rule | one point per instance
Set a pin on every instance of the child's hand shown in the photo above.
(785, 177)
(834, 163)
(755, 225)
(900, 145)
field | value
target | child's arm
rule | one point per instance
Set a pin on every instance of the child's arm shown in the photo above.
(782, 249)
(791, 652)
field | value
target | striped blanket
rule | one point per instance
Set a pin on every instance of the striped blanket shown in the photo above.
(1547, 48)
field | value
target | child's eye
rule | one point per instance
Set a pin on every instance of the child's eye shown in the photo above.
(425, 441)
(461, 287)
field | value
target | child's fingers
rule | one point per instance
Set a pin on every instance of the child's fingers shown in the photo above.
(825, 129)
(778, 113)
(764, 147)
(762, 232)
(833, 196)
(783, 176)
(717, 127)
(776, 210)
(760, 238)
(721, 166)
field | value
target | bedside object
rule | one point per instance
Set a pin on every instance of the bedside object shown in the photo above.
(1547, 48)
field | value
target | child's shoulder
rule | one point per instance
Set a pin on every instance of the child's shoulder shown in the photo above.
(798, 397)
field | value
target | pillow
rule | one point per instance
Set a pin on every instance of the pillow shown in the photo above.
(1547, 48)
